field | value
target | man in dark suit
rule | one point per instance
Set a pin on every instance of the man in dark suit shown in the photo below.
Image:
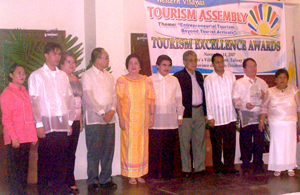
(192, 129)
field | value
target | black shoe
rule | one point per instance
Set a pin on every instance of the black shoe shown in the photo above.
(187, 174)
(93, 187)
(110, 184)
(258, 169)
(200, 173)
(73, 190)
(231, 171)
(246, 166)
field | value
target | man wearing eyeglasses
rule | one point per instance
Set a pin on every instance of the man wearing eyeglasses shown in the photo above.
(192, 129)
(99, 104)
(221, 115)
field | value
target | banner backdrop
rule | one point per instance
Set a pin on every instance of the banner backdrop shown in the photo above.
(233, 28)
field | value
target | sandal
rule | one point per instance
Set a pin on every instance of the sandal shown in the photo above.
(132, 181)
(277, 173)
(291, 173)
(141, 180)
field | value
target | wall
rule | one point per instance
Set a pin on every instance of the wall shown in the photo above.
(44, 15)
(108, 24)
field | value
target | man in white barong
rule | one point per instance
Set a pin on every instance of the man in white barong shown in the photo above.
(247, 96)
(168, 116)
(221, 115)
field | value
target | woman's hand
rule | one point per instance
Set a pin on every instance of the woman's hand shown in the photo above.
(151, 120)
(81, 125)
(15, 143)
(122, 123)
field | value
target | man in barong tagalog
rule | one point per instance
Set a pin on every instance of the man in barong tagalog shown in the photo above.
(247, 97)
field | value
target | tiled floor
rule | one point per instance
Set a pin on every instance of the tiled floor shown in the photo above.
(243, 184)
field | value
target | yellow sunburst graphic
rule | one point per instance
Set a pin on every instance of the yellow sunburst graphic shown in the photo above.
(263, 20)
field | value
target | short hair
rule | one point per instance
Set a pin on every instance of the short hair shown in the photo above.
(246, 60)
(162, 58)
(133, 56)
(12, 69)
(187, 53)
(216, 55)
(64, 57)
(96, 53)
(282, 71)
(51, 47)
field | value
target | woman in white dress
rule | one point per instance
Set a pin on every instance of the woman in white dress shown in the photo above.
(281, 105)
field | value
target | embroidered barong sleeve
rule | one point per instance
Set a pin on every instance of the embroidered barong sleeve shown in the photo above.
(237, 101)
(297, 97)
(207, 89)
(178, 100)
(88, 97)
(33, 86)
(114, 101)
(71, 106)
(265, 103)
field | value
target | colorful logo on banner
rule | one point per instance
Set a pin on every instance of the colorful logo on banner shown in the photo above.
(263, 20)
(235, 29)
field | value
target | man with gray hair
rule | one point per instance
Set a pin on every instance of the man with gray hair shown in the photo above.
(193, 123)
(99, 103)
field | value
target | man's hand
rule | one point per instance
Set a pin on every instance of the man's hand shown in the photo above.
(40, 132)
(261, 126)
(179, 122)
(249, 106)
(15, 143)
(108, 116)
(211, 123)
(262, 95)
(70, 132)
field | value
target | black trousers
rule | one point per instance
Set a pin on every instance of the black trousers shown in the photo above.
(223, 135)
(52, 163)
(161, 152)
(249, 147)
(17, 159)
(71, 151)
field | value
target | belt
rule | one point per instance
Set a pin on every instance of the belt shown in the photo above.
(197, 106)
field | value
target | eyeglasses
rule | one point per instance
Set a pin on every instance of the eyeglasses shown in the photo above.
(107, 58)
(195, 60)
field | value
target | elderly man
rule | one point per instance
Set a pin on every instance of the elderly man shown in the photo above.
(221, 115)
(167, 117)
(53, 107)
(247, 96)
(99, 102)
(193, 123)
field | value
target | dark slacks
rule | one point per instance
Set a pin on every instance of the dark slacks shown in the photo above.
(100, 142)
(249, 147)
(223, 135)
(52, 163)
(17, 159)
(161, 152)
(71, 151)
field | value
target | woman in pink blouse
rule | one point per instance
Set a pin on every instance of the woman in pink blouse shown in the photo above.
(19, 129)
(281, 105)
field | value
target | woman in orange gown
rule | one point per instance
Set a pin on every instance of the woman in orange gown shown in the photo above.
(135, 109)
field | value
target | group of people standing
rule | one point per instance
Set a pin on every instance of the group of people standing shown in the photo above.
(152, 112)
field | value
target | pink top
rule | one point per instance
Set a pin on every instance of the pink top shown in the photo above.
(17, 116)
